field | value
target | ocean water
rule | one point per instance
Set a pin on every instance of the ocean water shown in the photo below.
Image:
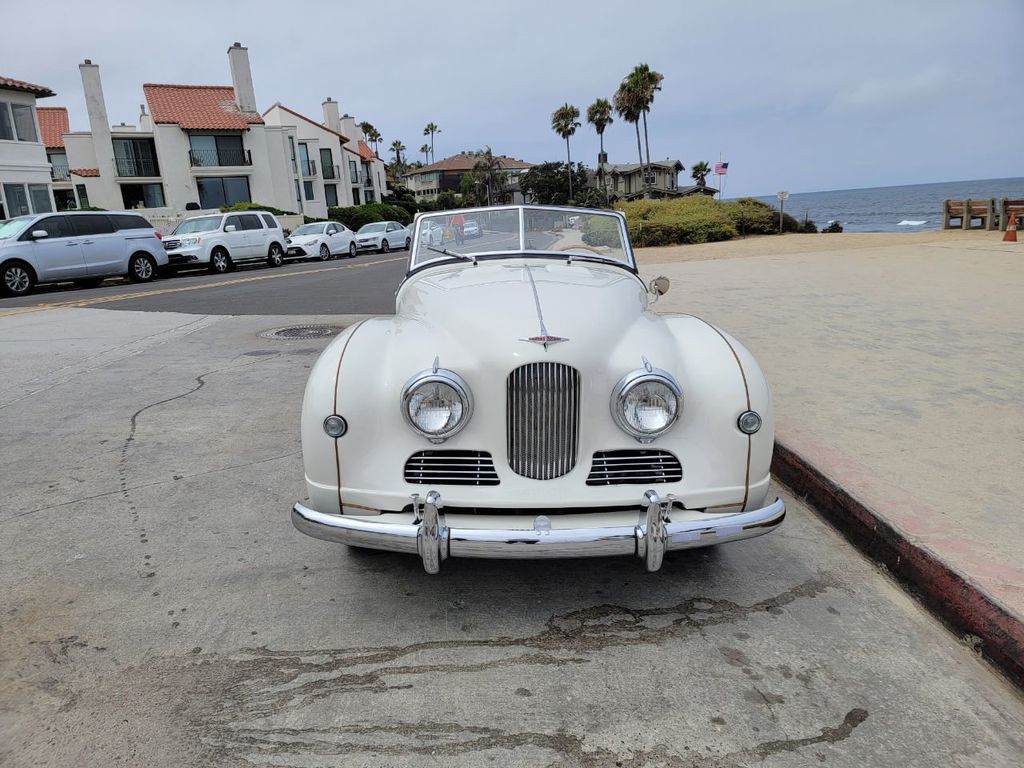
(881, 209)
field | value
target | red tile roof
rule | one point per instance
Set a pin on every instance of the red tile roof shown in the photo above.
(89, 173)
(53, 121)
(20, 85)
(365, 152)
(292, 112)
(198, 107)
(466, 162)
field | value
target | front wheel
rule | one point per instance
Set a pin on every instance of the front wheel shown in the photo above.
(18, 279)
(385, 246)
(141, 268)
(220, 262)
(352, 250)
(325, 252)
(275, 257)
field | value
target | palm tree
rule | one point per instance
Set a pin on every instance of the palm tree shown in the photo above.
(398, 148)
(425, 151)
(375, 138)
(627, 104)
(430, 130)
(699, 172)
(564, 122)
(488, 171)
(647, 82)
(599, 115)
(367, 129)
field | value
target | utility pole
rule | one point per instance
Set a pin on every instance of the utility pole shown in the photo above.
(783, 195)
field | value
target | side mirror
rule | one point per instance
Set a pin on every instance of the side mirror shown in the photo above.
(230, 228)
(39, 234)
(659, 286)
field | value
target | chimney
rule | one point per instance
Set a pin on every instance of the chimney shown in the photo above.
(145, 123)
(241, 78)
(96, 107)
(332, 117)
(349, 129)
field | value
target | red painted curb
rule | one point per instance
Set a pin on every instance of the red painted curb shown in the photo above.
(947, 593)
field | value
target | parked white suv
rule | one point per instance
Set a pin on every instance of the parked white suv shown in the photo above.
(222, 240)
(76, 246)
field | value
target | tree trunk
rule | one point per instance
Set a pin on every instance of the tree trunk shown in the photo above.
(600, 168)
(432, 155)
(639, 149)
(568, 162)
(647, 185)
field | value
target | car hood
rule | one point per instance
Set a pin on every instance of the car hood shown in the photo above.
(494, 307)
(304, 239)
(368, 235)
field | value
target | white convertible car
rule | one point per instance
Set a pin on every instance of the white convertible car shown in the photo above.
(526, 402)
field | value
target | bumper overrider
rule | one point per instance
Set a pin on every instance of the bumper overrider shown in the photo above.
(428, 536)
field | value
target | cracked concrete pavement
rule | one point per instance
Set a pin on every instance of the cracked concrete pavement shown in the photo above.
(158, 609)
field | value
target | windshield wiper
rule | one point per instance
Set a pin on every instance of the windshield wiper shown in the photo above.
(446, 252)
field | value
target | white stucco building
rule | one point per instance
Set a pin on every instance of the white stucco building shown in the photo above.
(336, 168)
(25, 183)
(199, 146)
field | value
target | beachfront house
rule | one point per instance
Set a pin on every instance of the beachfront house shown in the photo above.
(25, 177)
(626, 180)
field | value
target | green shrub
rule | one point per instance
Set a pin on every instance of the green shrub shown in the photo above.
(694, 219)
(255, 207)
(752, 217)
(601, 230)
(834, 227)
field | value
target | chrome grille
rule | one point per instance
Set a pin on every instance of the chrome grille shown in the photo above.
(451, 468)
(639, 466)
(543, 419)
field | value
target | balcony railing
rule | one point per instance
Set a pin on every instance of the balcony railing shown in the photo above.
(208, 158)
(60, 173)
(332, 172)
(130, 166)
(309, 171)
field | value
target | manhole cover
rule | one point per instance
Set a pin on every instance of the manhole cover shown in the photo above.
(295, 332)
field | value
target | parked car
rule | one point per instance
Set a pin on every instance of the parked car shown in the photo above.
(525, 402)
(81, 247)
(322, 240)
(471, 229)
(220, 241)
(383, 236)
(431, 233)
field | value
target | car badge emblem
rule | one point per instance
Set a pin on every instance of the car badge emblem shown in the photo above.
(545, 339)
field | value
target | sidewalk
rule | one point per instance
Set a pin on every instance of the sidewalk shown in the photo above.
(897, 373)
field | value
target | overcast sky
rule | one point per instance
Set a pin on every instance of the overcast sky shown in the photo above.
(798, 95)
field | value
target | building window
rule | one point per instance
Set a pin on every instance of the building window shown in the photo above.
(369, 196)
(331, 195)
(353, 171)
(219, 191)
(671, 182)
(60, 170)
(83, 196)
(142, 196)
(307, 187)
(17, 200)
(650, 178)
(298, 194)
(327, 164)
(295, 167)
(24, 122)
(135, 157)
(6, 127)
(209, 150)
(40, 194)
(308, 168)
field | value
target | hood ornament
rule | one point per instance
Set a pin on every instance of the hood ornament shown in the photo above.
(543, 338)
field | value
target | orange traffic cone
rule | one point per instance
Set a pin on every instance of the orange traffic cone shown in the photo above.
(1011, 229)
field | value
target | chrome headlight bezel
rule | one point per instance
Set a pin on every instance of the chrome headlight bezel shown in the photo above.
(631, 380)
(435, 376)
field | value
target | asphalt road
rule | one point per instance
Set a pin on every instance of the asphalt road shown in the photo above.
(157, 608)
(364, 285)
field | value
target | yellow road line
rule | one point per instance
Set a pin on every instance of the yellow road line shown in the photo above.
(88, 302)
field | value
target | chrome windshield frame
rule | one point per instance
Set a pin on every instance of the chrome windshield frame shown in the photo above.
(413, 266)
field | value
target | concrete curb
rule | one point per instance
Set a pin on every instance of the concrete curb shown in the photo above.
(946, 592)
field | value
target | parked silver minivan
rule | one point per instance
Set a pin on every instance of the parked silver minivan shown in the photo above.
(83, 247)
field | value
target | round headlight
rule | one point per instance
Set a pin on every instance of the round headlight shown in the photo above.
(646, 403)
(437, 404)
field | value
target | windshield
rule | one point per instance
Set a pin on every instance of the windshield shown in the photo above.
(14, 227)
(367, 228)
(202, 224)
(309, 229)
(498, 232)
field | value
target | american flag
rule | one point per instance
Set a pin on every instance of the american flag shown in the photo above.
(721, 168)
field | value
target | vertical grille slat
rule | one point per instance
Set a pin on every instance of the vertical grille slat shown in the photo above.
(542, 419)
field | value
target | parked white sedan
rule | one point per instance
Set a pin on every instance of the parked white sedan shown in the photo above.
(524, 401)
(323, 240)
(383, 236)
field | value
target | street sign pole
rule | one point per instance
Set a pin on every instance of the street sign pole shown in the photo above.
(782, 195)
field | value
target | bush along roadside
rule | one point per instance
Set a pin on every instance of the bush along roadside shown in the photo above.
(356, 216)
(700, 219)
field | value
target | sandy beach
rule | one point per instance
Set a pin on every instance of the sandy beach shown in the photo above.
(777, 245)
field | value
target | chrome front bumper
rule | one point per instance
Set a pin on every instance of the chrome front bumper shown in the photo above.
(653, 534)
